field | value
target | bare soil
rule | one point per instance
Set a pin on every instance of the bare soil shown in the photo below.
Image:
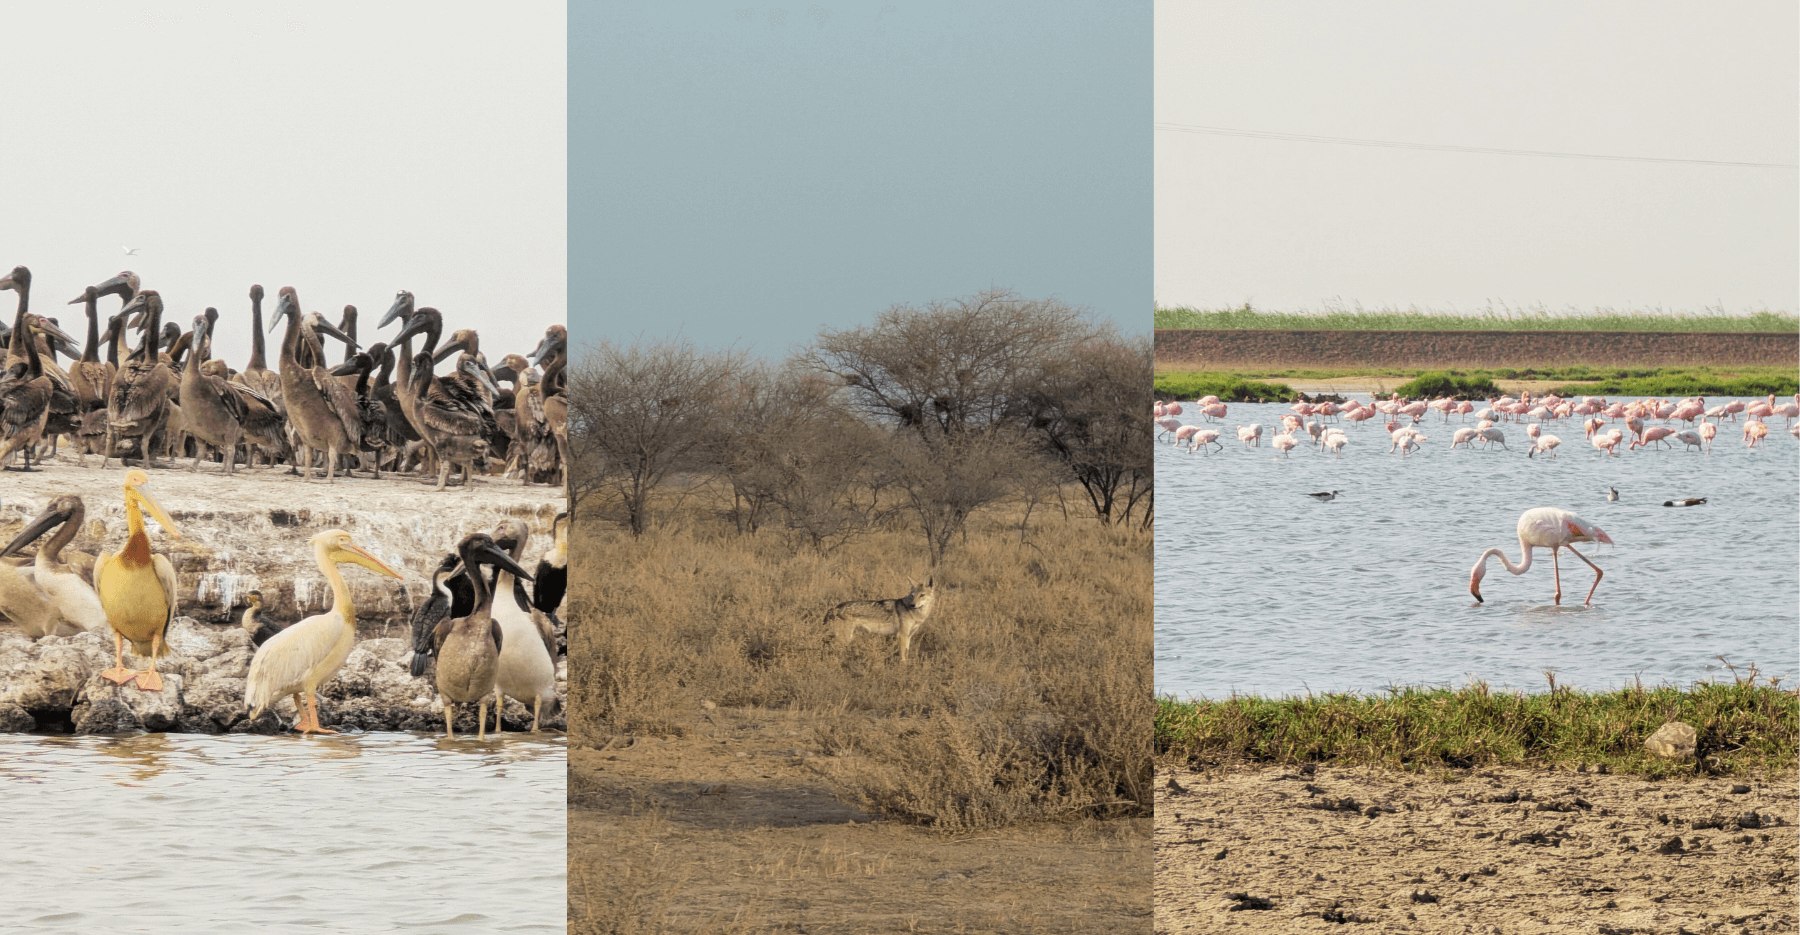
(1493, 850)
(738, 826)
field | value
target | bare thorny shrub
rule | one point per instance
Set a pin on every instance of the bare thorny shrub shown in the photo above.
(917, 447)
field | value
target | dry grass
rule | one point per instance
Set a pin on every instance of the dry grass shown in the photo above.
(1029, 696)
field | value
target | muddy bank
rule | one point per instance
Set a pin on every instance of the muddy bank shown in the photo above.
(1501, 850)
(1202, 349)
(743, 824)
(250, 531)
(53, 685)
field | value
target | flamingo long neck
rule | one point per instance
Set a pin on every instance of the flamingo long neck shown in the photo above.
(1519, 569)
(341, 601)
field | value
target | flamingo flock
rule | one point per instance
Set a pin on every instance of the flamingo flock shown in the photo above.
(1604, 423)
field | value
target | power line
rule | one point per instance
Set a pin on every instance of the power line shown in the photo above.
(1442, 147)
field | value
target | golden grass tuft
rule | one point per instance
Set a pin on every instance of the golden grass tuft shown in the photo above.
(1029, 695)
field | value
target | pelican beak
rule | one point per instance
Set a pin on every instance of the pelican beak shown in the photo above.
(6, 282)
(449, 349)
(491, 555)
(539, 350)
(324, 327)
(504, 372)
(283, 307)
(401, 302)
(155, 510)
(45, 521)
(116, 285)
(356, 555)
(59, 337)
(134, 310)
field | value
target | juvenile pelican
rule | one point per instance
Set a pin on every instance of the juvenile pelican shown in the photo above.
(295, 661)
(468, 648)
(137, 589)
(528, 646)
(260, 628)
(72, 604)
(451, 597)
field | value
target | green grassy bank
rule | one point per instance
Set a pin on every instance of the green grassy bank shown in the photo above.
(1266, 384)
(1744, 728)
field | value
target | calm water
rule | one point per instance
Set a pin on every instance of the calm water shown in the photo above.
(376, 832)
(1262, 589)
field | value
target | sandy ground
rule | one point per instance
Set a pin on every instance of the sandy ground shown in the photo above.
(737, 827)
(1503, 851)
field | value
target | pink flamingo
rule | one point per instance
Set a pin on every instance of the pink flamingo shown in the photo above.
(1168, 425)
(1545, 528)
(1285, 443)
(1158, 412)
(1608, 441)
(1546, 444)
(1186, 432)
(1492, 434)
(1173, 408)
(1214, 411)
(1532, 430)
(1336, 440)
(1754, 432)
(1652, 436)
(1250, 435)
(1205, 437)
(1690, 438)
(1463, 436)
(1592, 424)
(1707, 431)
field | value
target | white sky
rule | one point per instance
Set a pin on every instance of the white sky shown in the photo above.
(349, 150)
(1295, 225)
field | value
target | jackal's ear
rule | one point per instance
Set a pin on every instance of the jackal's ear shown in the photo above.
(929, 581)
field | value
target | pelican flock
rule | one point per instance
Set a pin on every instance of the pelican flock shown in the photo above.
(421, 405)
(146, 392)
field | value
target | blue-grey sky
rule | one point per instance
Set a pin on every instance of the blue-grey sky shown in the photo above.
(751, 173)
(1294, 225)
(349, 150)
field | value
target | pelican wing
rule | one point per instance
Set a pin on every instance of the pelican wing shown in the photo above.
(228, 397)
(549, 585)
(142, 391)
(424, 627)
(444, 415)
(280, 665)
(547, 633)
(165, 572)
(341, 400)
(23, 404)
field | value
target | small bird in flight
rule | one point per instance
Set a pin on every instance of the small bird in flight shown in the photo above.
(1323, 496)
(130, 251)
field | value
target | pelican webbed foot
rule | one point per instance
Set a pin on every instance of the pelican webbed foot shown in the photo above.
(149, 681)
(119, 675)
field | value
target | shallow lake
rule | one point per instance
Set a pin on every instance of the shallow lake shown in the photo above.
(1262, 589)
(373, 832)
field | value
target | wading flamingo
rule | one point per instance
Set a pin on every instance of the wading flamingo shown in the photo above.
(1545, 528)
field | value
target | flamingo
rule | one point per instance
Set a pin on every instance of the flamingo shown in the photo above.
(1336, 440)
(1284, 443)
(1652, 436)
(1186, 432)
(1545, 528)
(1250, 435)
(1754, 432)
(1463, 436)
(1205, 437)
(1690, 438)
(1546, 444)
(1608, 442)
(1707, 432)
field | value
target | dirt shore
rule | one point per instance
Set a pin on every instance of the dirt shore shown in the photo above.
(738, 827)
(1500, 850)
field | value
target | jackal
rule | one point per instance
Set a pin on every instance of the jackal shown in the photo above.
(902, 615)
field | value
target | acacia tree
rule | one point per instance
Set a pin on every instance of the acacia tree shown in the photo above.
(1089, 409)
(946, 382)
(640, 412)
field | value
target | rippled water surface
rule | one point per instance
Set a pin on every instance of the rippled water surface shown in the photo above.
(1262, 589)
(374, 832)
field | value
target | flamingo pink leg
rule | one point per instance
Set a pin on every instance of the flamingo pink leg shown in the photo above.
(1556, 568)
(1598, 574)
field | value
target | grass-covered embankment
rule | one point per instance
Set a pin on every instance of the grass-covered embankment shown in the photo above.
(1490, 319)
(1247, 384)
(1745, 728)
(1193, 384)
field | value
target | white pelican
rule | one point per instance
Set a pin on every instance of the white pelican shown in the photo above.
(71, 602)
(468, 648)
(296, 660)
(528, 643)
(137, 589)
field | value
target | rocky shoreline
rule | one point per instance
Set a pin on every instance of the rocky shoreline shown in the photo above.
(53, 685)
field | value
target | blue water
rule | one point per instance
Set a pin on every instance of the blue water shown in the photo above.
(376, 832)
(1261, 589)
